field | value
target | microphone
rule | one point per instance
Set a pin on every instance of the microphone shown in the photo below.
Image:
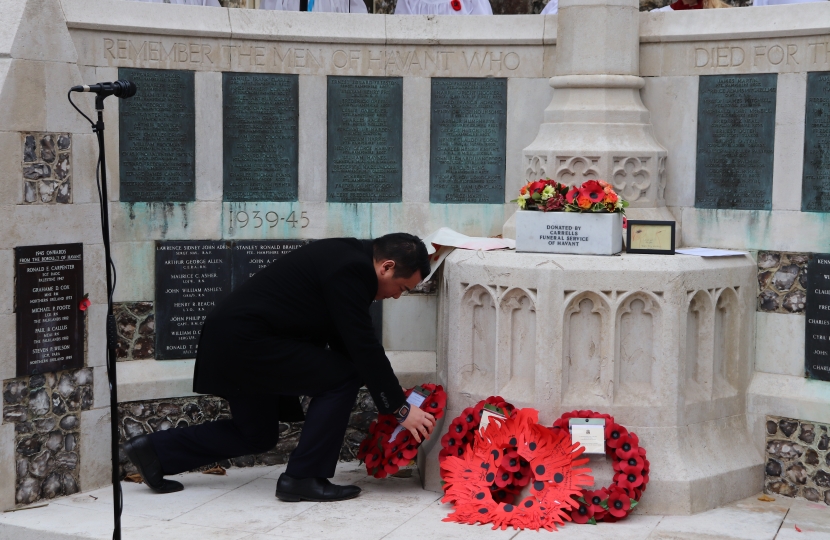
(122, 89)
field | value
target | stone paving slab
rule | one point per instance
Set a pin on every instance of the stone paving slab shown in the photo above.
(242, 506)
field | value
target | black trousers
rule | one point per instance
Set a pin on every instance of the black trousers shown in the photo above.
(254, 428)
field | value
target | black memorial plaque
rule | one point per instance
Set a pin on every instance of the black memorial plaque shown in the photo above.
(50, 325)
(157, 135)
(260, 119)
(364, 139)
(735, 136)
(817, 335)
(192, 276)
(815, 186)
(251, 256)
(467, 140)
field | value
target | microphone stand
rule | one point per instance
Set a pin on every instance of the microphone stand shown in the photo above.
(98, 129)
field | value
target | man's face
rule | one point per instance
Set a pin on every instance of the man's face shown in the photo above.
(391, 286)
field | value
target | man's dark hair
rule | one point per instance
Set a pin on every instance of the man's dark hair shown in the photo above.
(408, 252)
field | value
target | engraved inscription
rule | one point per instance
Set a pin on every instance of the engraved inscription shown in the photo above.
(50, 325)
(817, 335)
(798, 54)
(364, 139)
(157, 136)
(815, 187)
(735, 134)
(467, 140)
(192, 276)
(251, 256)
(260, 122)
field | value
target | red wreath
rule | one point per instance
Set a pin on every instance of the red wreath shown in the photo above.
(631, 467)
(384, 457)
(513, 473)
(552, 458)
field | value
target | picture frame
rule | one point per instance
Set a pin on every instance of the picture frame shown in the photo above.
(650, 237)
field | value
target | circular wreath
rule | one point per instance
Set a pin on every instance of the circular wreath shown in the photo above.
(552, 461)
(631, 470)
(513, 473)
(383, 456)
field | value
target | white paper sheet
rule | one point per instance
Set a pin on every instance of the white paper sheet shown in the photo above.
(443, 241)
(709, 252)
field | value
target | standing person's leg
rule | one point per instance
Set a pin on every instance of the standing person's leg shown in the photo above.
(253, 428)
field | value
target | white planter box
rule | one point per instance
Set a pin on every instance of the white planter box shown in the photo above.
(568, 232)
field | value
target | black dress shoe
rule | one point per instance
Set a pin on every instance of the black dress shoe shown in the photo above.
(313, 489)
(141, 452)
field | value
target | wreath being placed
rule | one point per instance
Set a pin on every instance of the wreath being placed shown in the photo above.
(389, 446)
(552, 460)
(631, 470)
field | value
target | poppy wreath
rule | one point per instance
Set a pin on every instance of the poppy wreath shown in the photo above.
(631, 470)
(384, 457)
(554, 477)
(513, 474)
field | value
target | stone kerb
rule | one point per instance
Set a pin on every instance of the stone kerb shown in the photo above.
(662, 344)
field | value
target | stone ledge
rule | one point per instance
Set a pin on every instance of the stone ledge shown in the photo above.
(788, 396)
(157, 379)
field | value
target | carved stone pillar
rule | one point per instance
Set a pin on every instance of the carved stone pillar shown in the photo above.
(596, 126)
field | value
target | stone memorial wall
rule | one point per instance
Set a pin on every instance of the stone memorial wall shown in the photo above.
(815, 185)
(817, 335)
(157, 137)
(735, 137)
(467, 140)
(364, 139)
(260, 118)
(50, 323)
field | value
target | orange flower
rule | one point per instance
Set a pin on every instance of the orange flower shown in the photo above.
(584, 201)
(523, 190)
(610, 198)
(604, 184)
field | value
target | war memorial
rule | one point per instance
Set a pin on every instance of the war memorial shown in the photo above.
(253, 133)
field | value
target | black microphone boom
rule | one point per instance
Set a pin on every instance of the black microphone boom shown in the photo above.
(121, 89)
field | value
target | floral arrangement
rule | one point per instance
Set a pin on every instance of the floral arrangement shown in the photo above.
(553, 475)
(631, 468)
(389, 446)
(551, 196)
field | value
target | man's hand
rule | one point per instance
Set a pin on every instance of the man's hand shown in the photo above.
(419, 423)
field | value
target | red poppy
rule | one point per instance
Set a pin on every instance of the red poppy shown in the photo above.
(537, 187)
(373, 459)
(625, 222)
(470, 418)
(391, 468)
(436, 403)
(619, 503)
(634, 461)
(504, 495)
(85, 303)
(572, 194)
(503, 478)
(521, 478)
(511, 461)
(621, 483)
(458, 427)
(456, 5)
(613, 433)
(627, 446)
(592, 190)
(583, 513)
(595, 498)
(633, 475)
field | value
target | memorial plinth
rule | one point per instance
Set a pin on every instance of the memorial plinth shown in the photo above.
(662, 343)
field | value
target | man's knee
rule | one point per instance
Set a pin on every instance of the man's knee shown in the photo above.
(263, 440)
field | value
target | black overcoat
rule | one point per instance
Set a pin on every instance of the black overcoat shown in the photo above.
(298, 327)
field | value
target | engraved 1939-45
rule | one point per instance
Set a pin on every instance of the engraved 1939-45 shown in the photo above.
(467, 140)
(815, 187)
(50, 322)
(817, 335)
(157, 136)
(192, 276)
(735, 137)
(260, 122)
(364, 139)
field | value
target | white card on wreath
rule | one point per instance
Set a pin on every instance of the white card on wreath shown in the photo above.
(415, 400)
(590, 433)
(486, 415)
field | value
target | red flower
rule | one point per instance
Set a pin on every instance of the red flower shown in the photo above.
(511, 461)
(627, 446)
(470, 418)
(373, 459)
(619, 503)
(635, 461)
(613, 433)
(625, 222)
(571, 195)
(621, 483)
(458, 427)
(633, 475)
(503, 478)
(85, 303)
(595, 498)
(436, 403)
(456, 5)
(521, 478)
(592, 190)
(583, 513)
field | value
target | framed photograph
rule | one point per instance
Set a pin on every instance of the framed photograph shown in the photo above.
(654, 237)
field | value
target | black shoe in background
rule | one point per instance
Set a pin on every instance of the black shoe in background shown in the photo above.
(141, 452)
(313, 489)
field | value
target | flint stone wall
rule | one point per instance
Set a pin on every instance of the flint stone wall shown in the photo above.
(798, 461)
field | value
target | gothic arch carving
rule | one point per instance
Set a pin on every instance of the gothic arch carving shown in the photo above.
(727, 338)
(586, 376)
(630, 177)
(516, 363)
(697, 355)
(536, 168)
(480, 324)
(573, 170)
(638, 338)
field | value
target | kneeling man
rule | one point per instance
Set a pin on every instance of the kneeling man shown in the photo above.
(300, 327)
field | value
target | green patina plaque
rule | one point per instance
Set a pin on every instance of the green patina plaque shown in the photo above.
(260, 119)
(364, 139)
(815, 185)
(467, 140)
(735, 138)
(157, 136)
